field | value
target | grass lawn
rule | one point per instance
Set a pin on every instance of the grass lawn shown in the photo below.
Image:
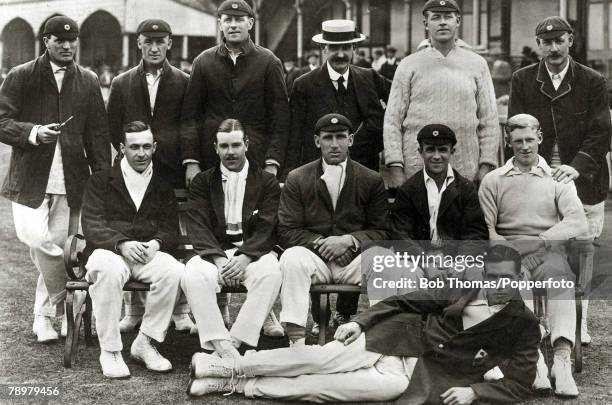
(23, 361)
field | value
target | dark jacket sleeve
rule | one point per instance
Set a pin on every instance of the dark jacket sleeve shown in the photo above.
(277, 109)
(96, 229)
(377, 222)
(293, 156)
(168, 229)
(417, 302)
(519, 371)
(116, 111)
(383, 85)
(12, 131)
(291, 224)
(95, 136)
(473, 225)
(193, 108)
(402, 221)
(198, 218)
(596, 143)
(262, 241)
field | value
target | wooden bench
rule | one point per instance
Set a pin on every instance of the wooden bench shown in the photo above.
(75, 268)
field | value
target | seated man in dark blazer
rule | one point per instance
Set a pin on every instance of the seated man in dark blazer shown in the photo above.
(328, 208)
(484, 350)
(437, 204)
(231, 221)
(130, 223)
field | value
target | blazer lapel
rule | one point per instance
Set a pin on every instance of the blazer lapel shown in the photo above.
(566, 86)
(449, 195)
(326, 87)
(321, 188)
(419, 197)
(546, 86)
(48, 72)
(144, 88)
(253, 185)
(118, 184)
(356, 80)
(163, 84)
(500, 320)
(217, 197)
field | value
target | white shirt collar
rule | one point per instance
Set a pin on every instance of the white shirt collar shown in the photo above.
(342, 164)
(561, 74)
(157, 73)
(335, 75)
(449, 175)
(55, 68)
(540, 169)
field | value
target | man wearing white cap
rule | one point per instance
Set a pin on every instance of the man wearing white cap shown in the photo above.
(338, 87)
(444, 83)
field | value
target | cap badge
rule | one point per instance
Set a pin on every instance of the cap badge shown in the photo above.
(435, 133)
(549, 27)
(67, 27)
(234, 6)
(155, 26)
(334, 120)
(442, 3)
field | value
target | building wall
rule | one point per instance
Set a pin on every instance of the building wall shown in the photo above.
(398, 34)
(524, 23)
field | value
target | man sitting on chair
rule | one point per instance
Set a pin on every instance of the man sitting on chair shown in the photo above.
(522, 202)
(231, 221)
(328, 208)
(130, 223)
(437, 203)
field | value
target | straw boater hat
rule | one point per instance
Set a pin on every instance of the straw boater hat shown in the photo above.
(338, 32)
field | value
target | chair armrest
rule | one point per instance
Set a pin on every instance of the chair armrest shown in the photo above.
(73, 256)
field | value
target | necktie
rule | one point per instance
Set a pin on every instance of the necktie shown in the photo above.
(341, 88)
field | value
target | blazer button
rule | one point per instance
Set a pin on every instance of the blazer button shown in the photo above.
(441, 346)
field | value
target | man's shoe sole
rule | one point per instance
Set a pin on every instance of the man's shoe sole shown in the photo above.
(141, 361)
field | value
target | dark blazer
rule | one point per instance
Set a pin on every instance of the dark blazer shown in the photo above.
(313, 96)
(205, 216)
(252, 91)
(129, 101)
(576, 115)
(448, 353)
(29, 97)
(109, 215)
(459, 217)
(306, 211)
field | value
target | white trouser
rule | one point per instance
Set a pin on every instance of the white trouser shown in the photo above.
(333, 372)
(301, 268)
(561, 304)
(135, 303)
(108, 272)
(200, 284)
(44, 230)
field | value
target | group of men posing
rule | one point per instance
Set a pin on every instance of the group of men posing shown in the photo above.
(229, 131)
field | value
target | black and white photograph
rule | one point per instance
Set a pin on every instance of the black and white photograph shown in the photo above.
(315, 201)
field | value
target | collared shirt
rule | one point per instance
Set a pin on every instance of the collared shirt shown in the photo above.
(342, 176)
(479, 310)
(233, 55)
(541, 169)
(434, 196)
(557, 78)
(153, 85)
(334, 76)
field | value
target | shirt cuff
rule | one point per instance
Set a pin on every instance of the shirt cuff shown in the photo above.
(187, 161)
(33, 133)
(272, 162)
(396, 164)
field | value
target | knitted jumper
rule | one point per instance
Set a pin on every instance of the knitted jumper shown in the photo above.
(456, 91)
(525, 205)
